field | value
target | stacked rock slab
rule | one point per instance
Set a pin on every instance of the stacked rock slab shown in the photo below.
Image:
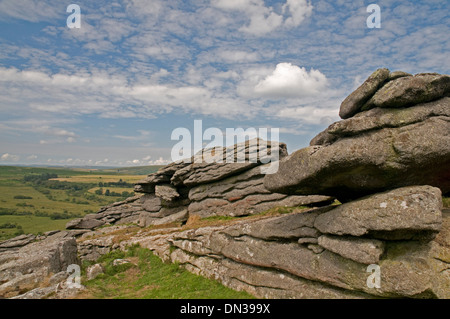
(221, 181)
(326, 252)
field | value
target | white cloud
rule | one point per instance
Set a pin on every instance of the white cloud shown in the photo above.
(32, 10)
(9, 157)
(108, 96)
(237, 56)
(32, 157)
(55, 132)
(299, 10)
(143, 136)
(159, 161)
(264, 19)
(263, 22)
(291, 81)
(310, 114)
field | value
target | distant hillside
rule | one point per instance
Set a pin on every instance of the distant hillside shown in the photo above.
(136, 170)
(70, 171)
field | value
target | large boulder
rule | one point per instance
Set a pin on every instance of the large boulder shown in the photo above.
(395, 90)
(33, 264)
(373, 161)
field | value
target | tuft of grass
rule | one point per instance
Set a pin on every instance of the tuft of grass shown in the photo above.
(196, 221)
(216, 218)
(446, 202)
(148, 277)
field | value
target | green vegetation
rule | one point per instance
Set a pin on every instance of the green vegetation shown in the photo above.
(42, 199)
(446, 202)
(147, 277)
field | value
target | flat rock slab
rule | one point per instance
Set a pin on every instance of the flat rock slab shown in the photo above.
(402, 214)
(17, 242)
(84, 223)
(362, 250)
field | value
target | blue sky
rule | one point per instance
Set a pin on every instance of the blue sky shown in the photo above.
(111, 92)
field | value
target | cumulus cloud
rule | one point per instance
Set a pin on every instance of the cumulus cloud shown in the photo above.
(159, 161)
(291, 81)
(9, 157)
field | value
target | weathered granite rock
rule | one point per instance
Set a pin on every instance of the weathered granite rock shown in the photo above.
(222, 165)
(209, 166)
(16, 242)
(353, 103)
(413, 278)
(379, 118)
(286, 227)
(402, 214)
(87, 222)
(362, 250)
(260, 282)
(147, 219)
(163, 175)
(279, 257)
(29, 266)
(243, 194)
(204, 188)
(93, 271)
(410, 90)
(416, 154)
(166, 192)
(151, 203)
(397, 74)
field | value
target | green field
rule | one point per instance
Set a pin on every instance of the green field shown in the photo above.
(147, 277)
(32, 203)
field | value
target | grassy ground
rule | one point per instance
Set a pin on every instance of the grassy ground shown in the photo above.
(147, 277)
(30, 225)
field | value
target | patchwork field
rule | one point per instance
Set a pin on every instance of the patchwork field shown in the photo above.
(36, 200)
